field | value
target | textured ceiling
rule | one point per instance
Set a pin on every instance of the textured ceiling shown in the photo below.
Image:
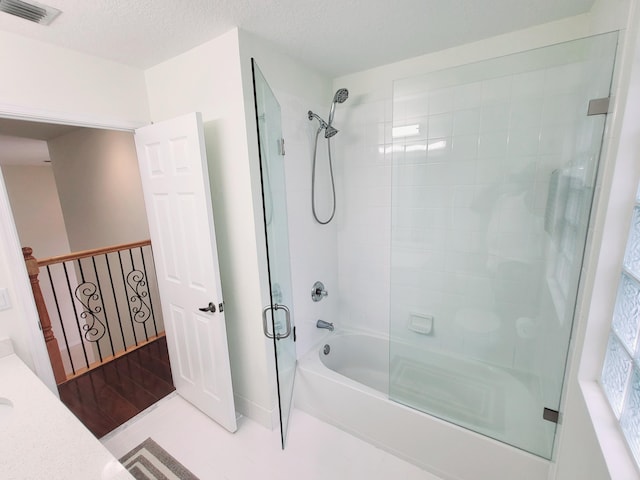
(335, 37)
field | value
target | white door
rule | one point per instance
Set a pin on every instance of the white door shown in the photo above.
(175, 181)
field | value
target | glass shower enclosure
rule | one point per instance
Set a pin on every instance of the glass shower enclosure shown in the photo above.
(494, 169)
(278, 318)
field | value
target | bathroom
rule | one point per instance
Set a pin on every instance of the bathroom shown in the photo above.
(319, 253)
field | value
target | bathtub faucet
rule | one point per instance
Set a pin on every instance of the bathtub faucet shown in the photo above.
(323, 324)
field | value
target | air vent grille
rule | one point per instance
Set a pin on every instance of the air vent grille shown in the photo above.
(34, 12)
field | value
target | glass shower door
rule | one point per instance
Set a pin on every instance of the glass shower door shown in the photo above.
(278, 316)
(493, 181)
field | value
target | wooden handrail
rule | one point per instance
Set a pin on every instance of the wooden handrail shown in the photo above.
(90, 253)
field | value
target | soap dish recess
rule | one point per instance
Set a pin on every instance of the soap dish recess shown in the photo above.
(421, 323)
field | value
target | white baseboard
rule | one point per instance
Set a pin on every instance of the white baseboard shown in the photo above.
(266, 417)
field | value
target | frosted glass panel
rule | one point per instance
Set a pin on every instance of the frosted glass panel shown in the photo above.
(632, 256)
(492, 184)
(630, 421)
(615, 373)
(627, 312)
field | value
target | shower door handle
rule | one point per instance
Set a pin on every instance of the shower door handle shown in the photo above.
(265, 321)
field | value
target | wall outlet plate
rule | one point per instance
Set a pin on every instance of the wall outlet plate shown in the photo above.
(5, 303)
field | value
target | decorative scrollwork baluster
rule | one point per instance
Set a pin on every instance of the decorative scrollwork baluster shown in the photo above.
(94, 328)
(139, 307)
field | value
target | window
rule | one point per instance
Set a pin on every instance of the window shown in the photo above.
(621, 370)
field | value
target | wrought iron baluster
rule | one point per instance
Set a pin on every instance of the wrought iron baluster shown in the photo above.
(94, 313)
(64, 330)
(137, 282)
(115, 301)
(87, 292)
(144, 267)
(106, 317)
(75, 311)
(124, 284)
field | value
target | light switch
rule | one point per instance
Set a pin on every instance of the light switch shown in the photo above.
(5, 304)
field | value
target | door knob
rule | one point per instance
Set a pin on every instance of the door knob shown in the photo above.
(211, 308)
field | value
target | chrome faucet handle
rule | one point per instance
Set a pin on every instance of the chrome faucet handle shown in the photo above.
(318, 292)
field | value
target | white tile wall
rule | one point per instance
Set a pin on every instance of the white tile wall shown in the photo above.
(313, 247)
(469, 197)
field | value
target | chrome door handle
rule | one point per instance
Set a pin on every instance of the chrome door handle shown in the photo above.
(265, 321)
(210, 308)
(287, 316)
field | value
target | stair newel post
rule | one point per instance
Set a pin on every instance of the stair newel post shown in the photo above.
(45, 322)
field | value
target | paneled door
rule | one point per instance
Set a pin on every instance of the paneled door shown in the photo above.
(175, 181)
(278, 318)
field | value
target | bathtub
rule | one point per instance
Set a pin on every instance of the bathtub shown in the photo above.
(349, 388)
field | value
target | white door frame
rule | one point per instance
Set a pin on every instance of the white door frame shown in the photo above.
(9, 235)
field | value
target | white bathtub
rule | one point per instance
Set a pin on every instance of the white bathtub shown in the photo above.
(349, 389)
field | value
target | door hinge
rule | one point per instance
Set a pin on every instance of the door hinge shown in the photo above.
(598, 106)
(281, 146)
(551, 415)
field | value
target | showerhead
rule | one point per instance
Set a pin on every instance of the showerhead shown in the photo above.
(341, 95)
(330, 131)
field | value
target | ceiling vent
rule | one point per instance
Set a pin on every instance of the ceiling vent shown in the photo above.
(34, 12)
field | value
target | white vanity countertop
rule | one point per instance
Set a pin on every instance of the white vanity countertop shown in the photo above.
(41, 439)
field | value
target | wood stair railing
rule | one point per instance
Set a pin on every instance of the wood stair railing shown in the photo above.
(33, 268)
(53, 349)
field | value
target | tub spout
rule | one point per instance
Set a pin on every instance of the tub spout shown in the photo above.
(323, 324)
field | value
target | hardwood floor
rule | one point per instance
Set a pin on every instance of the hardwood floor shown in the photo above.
(105, 398)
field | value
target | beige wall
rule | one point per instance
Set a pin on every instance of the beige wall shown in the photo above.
(98, 181)
(36, 209)
(98, 174)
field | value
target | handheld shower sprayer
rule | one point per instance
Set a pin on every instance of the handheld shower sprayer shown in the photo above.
(340, 97)
(329, 131)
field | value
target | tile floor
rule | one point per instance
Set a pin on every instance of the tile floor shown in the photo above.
(315, 450)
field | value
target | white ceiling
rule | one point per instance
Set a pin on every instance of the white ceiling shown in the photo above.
(334, 37)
